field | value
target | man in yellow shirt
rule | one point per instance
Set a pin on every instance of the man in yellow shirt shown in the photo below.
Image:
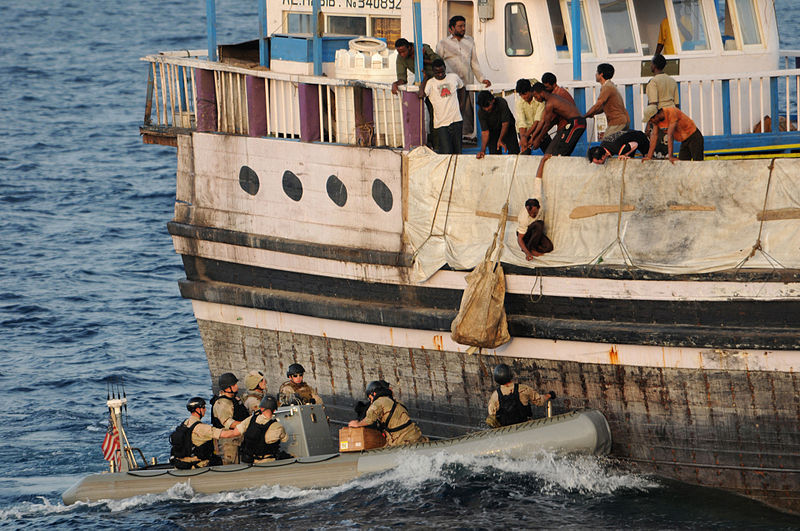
(665, 45)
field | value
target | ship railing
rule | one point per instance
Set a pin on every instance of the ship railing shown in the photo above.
(723, 107)
(188, 93)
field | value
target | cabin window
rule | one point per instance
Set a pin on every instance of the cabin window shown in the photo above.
(559, 32)
(748, 22)
(586, 43)
(342, 25)
(691, 25)
(299, 23)
(617, 26)
(518, 33)
(654, 29)
(726, 26)
(386, 28)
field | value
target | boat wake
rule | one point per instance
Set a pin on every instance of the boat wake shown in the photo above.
(546, 474)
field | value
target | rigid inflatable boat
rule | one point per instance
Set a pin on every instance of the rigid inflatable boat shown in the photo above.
(584, 432)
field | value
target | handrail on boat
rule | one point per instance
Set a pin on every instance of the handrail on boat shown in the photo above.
(237, 99)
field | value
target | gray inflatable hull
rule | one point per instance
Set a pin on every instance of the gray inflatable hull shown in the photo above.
(584, 432)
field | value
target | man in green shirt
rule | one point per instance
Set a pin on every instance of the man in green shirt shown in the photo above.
(406, 62)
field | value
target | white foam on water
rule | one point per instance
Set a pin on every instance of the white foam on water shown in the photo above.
(557, 474)
(27, 509)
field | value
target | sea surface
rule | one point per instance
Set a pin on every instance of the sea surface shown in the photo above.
(89, 295)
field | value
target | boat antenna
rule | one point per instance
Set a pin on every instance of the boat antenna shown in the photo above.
(125, 396)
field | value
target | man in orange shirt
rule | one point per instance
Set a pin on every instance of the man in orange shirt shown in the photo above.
(679, 127)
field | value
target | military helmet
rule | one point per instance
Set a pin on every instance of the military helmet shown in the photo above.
(195, 403)
(294, 368)
(268, 402)
(375, 386)
(252, 380)
(227, 380)
(502, 374)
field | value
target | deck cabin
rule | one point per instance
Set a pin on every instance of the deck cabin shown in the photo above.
(296, 79)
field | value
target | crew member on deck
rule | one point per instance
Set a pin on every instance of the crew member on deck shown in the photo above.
(511, 402)
(256, 387)
(557, 108)
(263, 434)
(679, 127)
(623, 144)
(202, 439)
(390, 416)
(227, 411)
(295, 390)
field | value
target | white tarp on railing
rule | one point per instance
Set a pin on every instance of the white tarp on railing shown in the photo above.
(690, 217)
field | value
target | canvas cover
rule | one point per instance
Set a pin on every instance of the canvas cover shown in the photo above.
(687, 217)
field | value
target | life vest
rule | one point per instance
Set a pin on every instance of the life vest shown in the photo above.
(183, 447)
(302, 393)
(253, 446)
(384, 426)
(511, 410)
(239, 411)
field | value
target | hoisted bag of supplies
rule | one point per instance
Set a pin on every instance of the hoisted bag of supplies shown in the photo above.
(481, 319)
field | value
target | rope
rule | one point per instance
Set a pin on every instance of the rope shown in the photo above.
(757, 247)
(629, 263)
(436, 209)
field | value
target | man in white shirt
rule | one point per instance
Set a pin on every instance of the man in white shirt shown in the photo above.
(458, 52)
(530, 230)
(443, 92)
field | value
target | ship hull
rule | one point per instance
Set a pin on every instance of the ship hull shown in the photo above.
(695, 373)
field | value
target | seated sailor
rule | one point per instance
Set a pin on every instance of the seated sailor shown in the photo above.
(227, 411)
(256, 387)
(511, 402)
(263, 434)
(193, 442)
(530, 230)
(389, 416)
(295, 390)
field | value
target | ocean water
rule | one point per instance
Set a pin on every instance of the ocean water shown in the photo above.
(88, 295)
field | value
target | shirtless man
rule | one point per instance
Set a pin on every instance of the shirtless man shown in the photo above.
(567, 137)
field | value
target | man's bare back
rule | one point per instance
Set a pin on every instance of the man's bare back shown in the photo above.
(559, 108)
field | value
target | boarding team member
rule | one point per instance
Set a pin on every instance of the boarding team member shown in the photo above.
(390, 416)
(202, 438)
(511, 402)
(227, 411)
(256, 387)
(263, 434)
(295, 390)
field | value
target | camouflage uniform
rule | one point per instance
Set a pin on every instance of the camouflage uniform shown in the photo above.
(527, 396)
(379, 412)
(228, 449)
(274, 433)
(306, 393)
(200, 435)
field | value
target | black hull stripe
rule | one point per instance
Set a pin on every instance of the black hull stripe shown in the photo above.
(744, 324)
(366, 256)
(375, 313)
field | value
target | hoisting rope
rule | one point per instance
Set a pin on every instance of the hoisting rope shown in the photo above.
(629, 263)
(757, 247)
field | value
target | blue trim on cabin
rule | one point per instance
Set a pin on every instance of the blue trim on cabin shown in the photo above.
(576, 42)
(300, 48)
(774, 111)
(726, 107)
(629, 106)
(317, 39)
(211, 29)
(418, 44)
(263, 38)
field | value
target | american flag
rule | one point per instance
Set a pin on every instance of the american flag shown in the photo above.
(110, 442)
